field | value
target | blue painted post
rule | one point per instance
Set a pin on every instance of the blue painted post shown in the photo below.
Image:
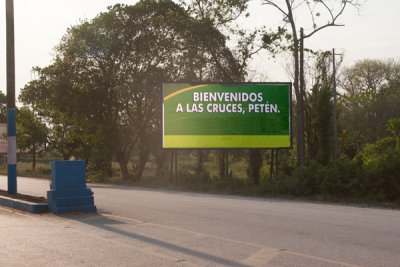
(68, 191)
(11, 115)
(12, 151)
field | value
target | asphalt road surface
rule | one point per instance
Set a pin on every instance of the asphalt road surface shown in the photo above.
(143, 227)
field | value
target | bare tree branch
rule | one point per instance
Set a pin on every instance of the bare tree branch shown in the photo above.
(271, 3)
(322, 27)
(333, 17)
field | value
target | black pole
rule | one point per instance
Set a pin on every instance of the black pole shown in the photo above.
(171, 173)
(334, 106)
(301, 100)
(277, 163)
(10, 54)
(271, 167)
(226, 163)
(176, 166)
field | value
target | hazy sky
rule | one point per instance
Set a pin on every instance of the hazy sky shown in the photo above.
(40, 24)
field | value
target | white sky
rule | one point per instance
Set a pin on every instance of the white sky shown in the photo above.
(40, 24)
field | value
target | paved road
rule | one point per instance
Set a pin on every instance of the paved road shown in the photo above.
(141, 227)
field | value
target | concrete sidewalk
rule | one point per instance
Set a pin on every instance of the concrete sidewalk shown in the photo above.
(72, 240)
(95, 239)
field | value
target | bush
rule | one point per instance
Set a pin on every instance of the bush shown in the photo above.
(373, 175)
(382, 165)
(304, 181)
(344, 179)
(44, 171)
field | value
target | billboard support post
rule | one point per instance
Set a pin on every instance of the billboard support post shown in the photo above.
(271, 169)
(176, 166)
(173, 174)
(277, 163)
(227, 163)
(171, 165)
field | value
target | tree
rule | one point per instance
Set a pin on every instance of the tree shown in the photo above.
(222, 15)
(255, 163)
(31, 134)
(118, 61)
(394, 128)
(371, 99)
(319, 113)
(56, 100)
(318, 12)
(3, 107)
(381, 159)
(368, 76)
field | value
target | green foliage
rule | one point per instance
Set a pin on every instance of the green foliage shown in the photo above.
(366, 76)
(323, 125)
(31, 133)
(374, 154)
(305, 181)
(319, 113)
(373, 175)
(394, 127)
(372, 98)
(3, 108)
(344, 179)
(382, 164)
(118, 62)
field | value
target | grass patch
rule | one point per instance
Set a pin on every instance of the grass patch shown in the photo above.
(24, 169)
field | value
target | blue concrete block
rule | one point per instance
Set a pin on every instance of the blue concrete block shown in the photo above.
(79, 200)
(70, 193)
(68, 188)
(68, 174)
(75, 208)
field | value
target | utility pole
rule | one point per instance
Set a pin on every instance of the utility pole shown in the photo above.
(11, 113)
(300, 101)
(334, 104)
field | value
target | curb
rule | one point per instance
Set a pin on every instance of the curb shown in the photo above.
(23, 205)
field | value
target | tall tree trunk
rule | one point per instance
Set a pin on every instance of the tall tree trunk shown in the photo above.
(300, 105)
(221, 163)
(123, 165)
(271, 164)
(255, 163)
(122, 155)
(33, 158)
(200, 161)
(139, 167)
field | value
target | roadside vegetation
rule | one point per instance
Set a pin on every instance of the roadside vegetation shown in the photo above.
(100, 101)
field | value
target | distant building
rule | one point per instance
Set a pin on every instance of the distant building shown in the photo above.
(3, 138)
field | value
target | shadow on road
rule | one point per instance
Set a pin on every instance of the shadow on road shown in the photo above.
(107, 224)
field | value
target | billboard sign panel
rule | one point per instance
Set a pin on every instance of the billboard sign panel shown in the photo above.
(211, 115)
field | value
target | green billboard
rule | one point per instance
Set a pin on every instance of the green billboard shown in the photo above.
(211, 115)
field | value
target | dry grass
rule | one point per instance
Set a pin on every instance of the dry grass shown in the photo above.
(24, 169)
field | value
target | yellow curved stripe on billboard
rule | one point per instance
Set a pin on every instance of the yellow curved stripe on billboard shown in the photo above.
(184, 90)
